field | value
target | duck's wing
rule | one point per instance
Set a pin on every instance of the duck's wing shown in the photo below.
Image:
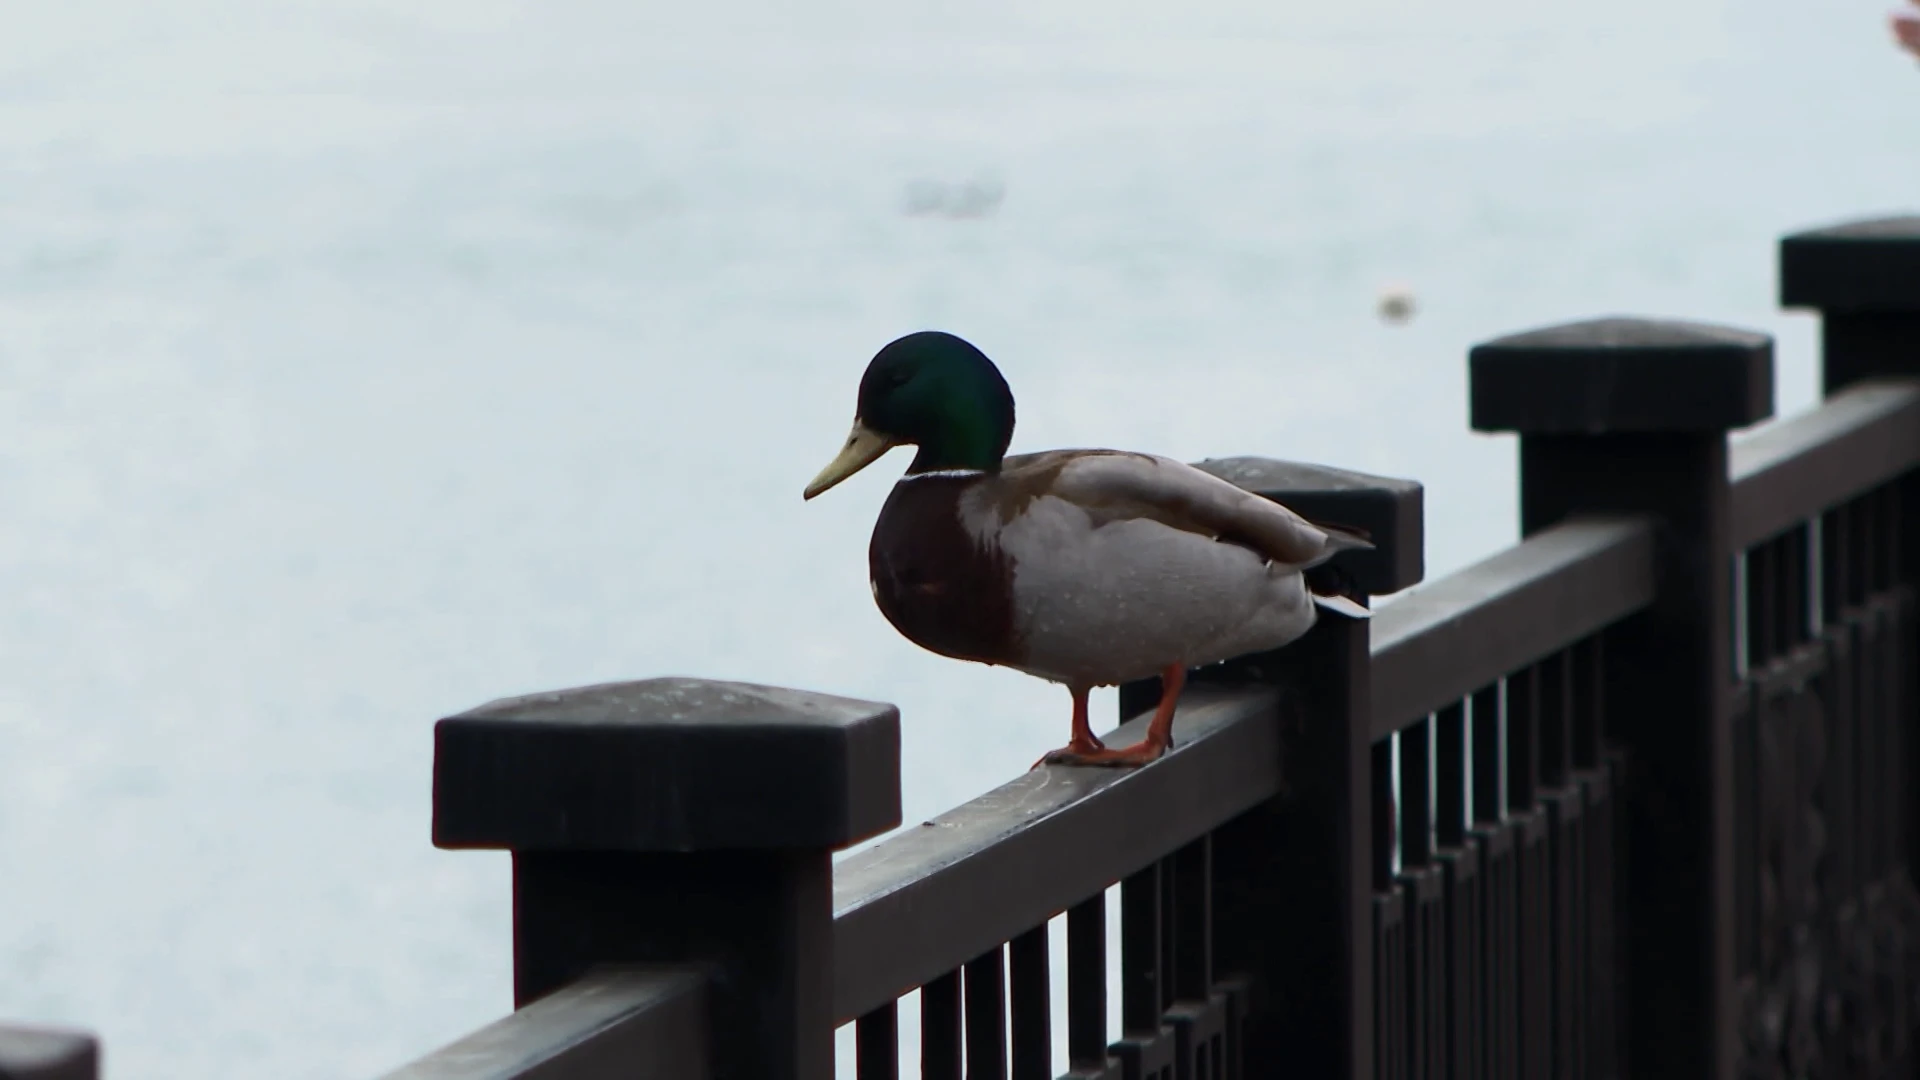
(1112, 485)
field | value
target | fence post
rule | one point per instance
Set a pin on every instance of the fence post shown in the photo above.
(1631, 415)
(1864, 278)
(1295, 881)
(38, 1053)
(678, 821)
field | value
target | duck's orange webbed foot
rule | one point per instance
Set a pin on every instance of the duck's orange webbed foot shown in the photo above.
(1087, 750)
(1126, 757)
(1084, 741)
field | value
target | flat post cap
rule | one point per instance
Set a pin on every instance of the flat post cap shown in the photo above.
(669, 764)
(1621, 374)
(1859, 266)
(43, 1053)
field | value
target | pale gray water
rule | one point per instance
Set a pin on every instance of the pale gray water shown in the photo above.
(361, 362)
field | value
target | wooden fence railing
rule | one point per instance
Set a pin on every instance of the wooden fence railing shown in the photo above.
(1633, 798)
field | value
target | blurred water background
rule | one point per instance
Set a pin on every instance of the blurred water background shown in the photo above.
(361, 362)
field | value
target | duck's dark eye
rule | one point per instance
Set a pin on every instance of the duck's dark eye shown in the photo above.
(898, 378)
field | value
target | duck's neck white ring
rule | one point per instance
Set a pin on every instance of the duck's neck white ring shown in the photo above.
(931, 473)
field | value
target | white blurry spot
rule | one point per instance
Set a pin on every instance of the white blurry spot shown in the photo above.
(1396, 304)
(969, 199)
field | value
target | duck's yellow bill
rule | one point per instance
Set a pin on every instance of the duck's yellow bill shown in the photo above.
(864, 447)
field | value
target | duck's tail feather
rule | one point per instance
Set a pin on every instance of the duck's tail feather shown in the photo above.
(1344, 537)
(1332, 589)
(1343, 606)
(1339, 538)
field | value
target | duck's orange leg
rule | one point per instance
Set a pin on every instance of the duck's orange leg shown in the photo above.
(1084, 741)
(1159, 732)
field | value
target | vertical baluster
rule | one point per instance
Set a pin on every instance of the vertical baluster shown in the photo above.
(1886, 522)
(1423, 892)
(1458, 856)
(1450, 776)
(1564, 803)
(1817, 619)
(1389, 959)
(1599, 966)
(1779, 595)
(1385, 816)
(1389, 982)
(1489, 782)
(1146, 1046)
(940, 1028)
(1192, 880)
(876, 1038)
(1169, 936)
(1087, 985)
(1140, 952)
(1864, 549)
(1789, 590)
(1780, 568)
(1584, 671)
(1800, 585)
(1501, 1032)
(1416, 796)
(1523, 739)
(1532, 851)
(1555, 721)
(1760, 615)
(1030, 991)
(1834, 538)
(986, 991)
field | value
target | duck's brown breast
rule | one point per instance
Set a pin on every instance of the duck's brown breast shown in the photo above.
(940, 585)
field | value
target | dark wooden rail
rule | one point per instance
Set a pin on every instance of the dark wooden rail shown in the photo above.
(609, 1022)
(1792, 471)
(1634, 797)
(1468, 630)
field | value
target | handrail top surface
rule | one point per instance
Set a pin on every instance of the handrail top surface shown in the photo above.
(614, 1020)
(1788, 471)
(1440, 642)
(954, 835)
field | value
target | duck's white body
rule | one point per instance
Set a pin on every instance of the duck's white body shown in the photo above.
(1123, 564)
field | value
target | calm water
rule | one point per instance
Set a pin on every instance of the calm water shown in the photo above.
(362, 362)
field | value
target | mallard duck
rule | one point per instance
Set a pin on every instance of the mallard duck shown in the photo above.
(1084, 567)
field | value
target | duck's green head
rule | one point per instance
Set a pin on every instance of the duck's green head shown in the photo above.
(930, 390)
